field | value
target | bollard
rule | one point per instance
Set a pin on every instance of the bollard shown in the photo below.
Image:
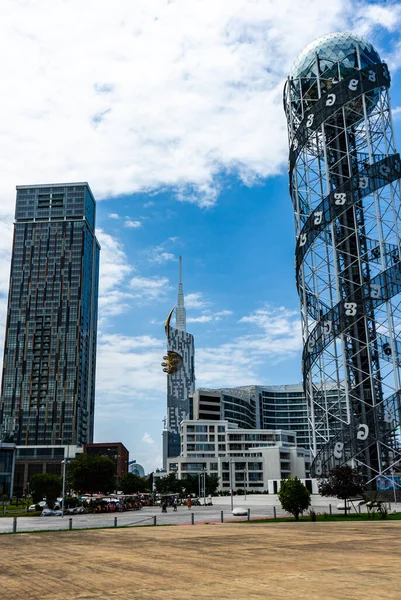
(192, 518)
(154, 520)
(274, 512)
(249, 514)
(359, 508)
(221, 517)
(15, 525)
(115, 521)
(330, 509)
(70, 524)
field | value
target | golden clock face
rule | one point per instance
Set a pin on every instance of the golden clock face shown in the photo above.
(172, 362)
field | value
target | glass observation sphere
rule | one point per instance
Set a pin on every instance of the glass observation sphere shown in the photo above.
(339, 56)
(335, 51)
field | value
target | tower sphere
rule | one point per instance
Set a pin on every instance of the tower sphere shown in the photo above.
(340, 47)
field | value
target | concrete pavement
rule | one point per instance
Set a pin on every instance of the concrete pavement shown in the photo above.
(261, 506)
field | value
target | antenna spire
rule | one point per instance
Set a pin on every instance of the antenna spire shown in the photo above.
(180, 315)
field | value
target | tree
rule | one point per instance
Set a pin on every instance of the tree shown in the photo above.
(91, 474)
(45, 485)
(293, 496)
(212, 483)
(168, 484)
(129, 483)
(344, 483)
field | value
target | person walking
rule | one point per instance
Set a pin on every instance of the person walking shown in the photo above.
(175, 502)
(189, 503)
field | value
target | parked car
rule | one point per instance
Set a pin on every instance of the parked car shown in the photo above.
(350, 504)
(48, 512)
(77, 510)
(42, 504)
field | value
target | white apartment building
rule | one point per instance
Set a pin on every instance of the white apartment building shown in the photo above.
(251, 459)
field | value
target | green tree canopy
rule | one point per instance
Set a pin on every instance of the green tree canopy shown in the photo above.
(294, 497)
(190, 484)
(91, 474)
(168, 484)
(342, 482)
(45, 485)
(129, 483)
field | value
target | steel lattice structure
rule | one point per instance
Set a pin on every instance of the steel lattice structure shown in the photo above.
(344, 183)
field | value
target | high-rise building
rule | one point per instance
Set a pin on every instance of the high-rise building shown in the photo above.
(48, 383)
(344, 175)
(251, 459)
(179, 366)
(257, 407)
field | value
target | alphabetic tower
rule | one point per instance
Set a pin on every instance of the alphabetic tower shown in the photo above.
(344, 183)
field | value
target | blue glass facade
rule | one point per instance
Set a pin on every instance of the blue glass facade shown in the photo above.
(48, 383)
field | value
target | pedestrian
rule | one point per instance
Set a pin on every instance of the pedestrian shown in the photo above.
(189, 502)
(164, 505)
(175, 502)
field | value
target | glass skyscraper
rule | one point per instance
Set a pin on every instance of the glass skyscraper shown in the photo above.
(48, 383)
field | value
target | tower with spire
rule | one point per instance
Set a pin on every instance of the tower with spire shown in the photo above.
(179, 366)
(180, 314)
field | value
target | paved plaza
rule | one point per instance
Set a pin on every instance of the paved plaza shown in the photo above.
(261, 506)
(313, 561)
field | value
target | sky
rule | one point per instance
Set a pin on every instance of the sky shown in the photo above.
(172, 111)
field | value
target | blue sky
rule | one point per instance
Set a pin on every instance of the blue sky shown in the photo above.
(172, 111)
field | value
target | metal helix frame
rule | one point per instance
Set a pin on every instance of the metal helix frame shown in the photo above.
(344, 175)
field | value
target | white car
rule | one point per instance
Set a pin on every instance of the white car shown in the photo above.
(47, 512)
(42, 504)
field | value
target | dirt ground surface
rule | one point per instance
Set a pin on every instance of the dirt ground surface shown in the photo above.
(314, 561)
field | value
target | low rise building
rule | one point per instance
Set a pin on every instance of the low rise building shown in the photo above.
(31, 460)
(7, 467)
(241, 458)
(115, 450)
(136, 469)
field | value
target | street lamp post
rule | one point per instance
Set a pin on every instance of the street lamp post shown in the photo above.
(246, 478)
(395, 495)
(231, 485)
(64, 478)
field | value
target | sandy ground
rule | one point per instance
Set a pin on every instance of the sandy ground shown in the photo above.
(330, 561)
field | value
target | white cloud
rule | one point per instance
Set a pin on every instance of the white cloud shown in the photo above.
(207, 317)
(396, 112)
(159, 255)
(132, 224)
(114, 297)
(196, 300)
(114, 216)
(150, 288)
(275, 336)
(171, 94)
(131, 393)
(147, 439)
(201, 319)
(222, 313)
(370, 16)
(129, 367)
